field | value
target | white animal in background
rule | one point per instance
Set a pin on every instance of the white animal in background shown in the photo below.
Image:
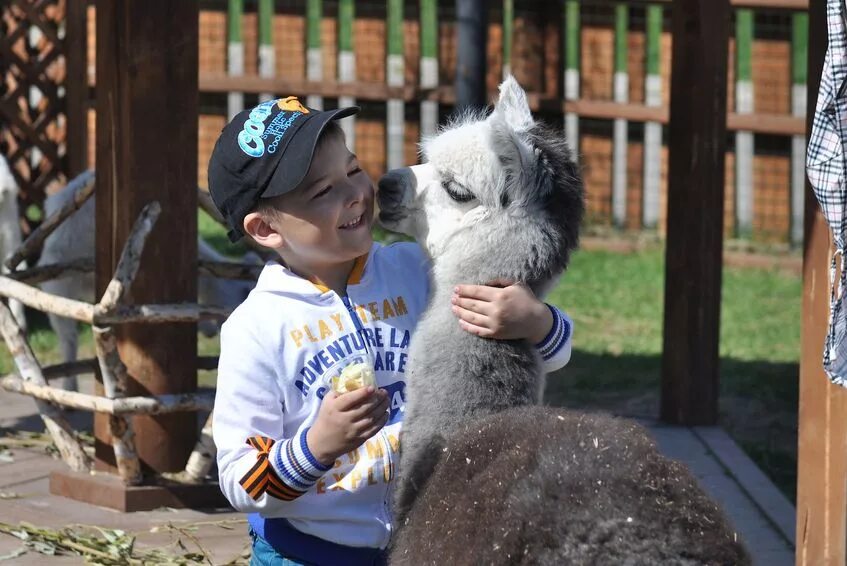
(74, 240)
(10, 228)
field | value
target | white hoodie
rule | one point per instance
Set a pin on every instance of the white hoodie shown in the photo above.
(279, 350)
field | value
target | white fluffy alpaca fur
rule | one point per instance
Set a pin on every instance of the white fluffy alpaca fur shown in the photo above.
(486, 182)
(484, 476)
(10, 228)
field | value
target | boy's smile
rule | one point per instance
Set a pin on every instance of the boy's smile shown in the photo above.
(325, 223)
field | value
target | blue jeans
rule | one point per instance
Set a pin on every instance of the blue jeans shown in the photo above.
(265, 555)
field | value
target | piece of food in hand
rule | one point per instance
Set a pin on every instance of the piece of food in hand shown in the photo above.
(353, 377)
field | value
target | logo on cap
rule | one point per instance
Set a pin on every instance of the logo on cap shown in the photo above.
(291, 103)
(251, 139)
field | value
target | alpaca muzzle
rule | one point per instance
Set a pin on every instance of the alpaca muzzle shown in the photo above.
(396, 190)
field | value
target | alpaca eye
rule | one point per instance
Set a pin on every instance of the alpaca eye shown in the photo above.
(457, 196)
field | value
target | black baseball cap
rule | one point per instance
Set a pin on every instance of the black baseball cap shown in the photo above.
(246, 163)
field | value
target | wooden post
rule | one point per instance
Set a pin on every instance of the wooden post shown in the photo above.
(697, 142)
(472, 33)
(147, 126)
(799, 63)
(76, 87)
(822, 435)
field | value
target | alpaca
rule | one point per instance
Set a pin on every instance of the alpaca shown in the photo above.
(578, 489)
(500, 197)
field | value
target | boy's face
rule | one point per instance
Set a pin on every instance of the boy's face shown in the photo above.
(328, 217)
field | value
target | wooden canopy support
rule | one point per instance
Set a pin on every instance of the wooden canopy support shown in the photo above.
(147, 96)
(822, 435)
(693, 261)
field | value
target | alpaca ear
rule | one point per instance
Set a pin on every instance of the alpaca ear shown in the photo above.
(513, 107)
(517, 159)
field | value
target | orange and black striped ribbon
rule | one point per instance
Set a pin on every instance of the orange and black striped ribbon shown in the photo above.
(262, 478)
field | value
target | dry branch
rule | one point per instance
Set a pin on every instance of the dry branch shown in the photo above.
(130, 259)
(229, 269)
(114, 375)
(123, 406)
(45, 302)
(83, 187)
(43, 273)
(153, 314)
(70, 368)
(54, 420)
(204, 200)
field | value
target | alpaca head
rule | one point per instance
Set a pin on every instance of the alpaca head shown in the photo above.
(484, 176)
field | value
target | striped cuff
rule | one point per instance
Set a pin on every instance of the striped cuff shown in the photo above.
(558, 336)
(295, 464)
(284, 470)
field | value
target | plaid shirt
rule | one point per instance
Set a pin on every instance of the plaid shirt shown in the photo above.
(827, 171)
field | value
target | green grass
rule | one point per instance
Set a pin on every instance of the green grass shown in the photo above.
(616, 302)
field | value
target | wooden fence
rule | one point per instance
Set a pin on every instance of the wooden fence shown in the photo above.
(599, 69)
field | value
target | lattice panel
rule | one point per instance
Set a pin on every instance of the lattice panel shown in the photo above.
(32, 109)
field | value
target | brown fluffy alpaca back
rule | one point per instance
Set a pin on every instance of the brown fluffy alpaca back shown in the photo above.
(538, 485)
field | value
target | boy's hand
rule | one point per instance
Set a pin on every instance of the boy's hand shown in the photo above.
(506, 313)
(346, 421)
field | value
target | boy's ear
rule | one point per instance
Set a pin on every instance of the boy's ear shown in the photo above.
(260, 230)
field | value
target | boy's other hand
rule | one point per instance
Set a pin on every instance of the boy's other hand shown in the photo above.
(502, 310)
(346, 421)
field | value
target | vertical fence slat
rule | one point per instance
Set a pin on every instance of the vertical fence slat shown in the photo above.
(235, 54)
(621, 94)
(429, 65)
(571, 41)
(395, 77)
(652, 130)
(267, 57)
(346, 66)
(744, 148)
(508, 33)
(799, 55)
(314, 53)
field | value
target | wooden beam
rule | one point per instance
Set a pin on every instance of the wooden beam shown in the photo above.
(147, 96)
(218, 82)
(822, 435)
(697, 142)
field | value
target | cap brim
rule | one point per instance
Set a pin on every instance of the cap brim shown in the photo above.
(301, 149)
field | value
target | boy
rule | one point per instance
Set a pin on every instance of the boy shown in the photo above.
(311, 467)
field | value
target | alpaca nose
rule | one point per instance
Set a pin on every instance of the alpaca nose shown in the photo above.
(394, 187)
